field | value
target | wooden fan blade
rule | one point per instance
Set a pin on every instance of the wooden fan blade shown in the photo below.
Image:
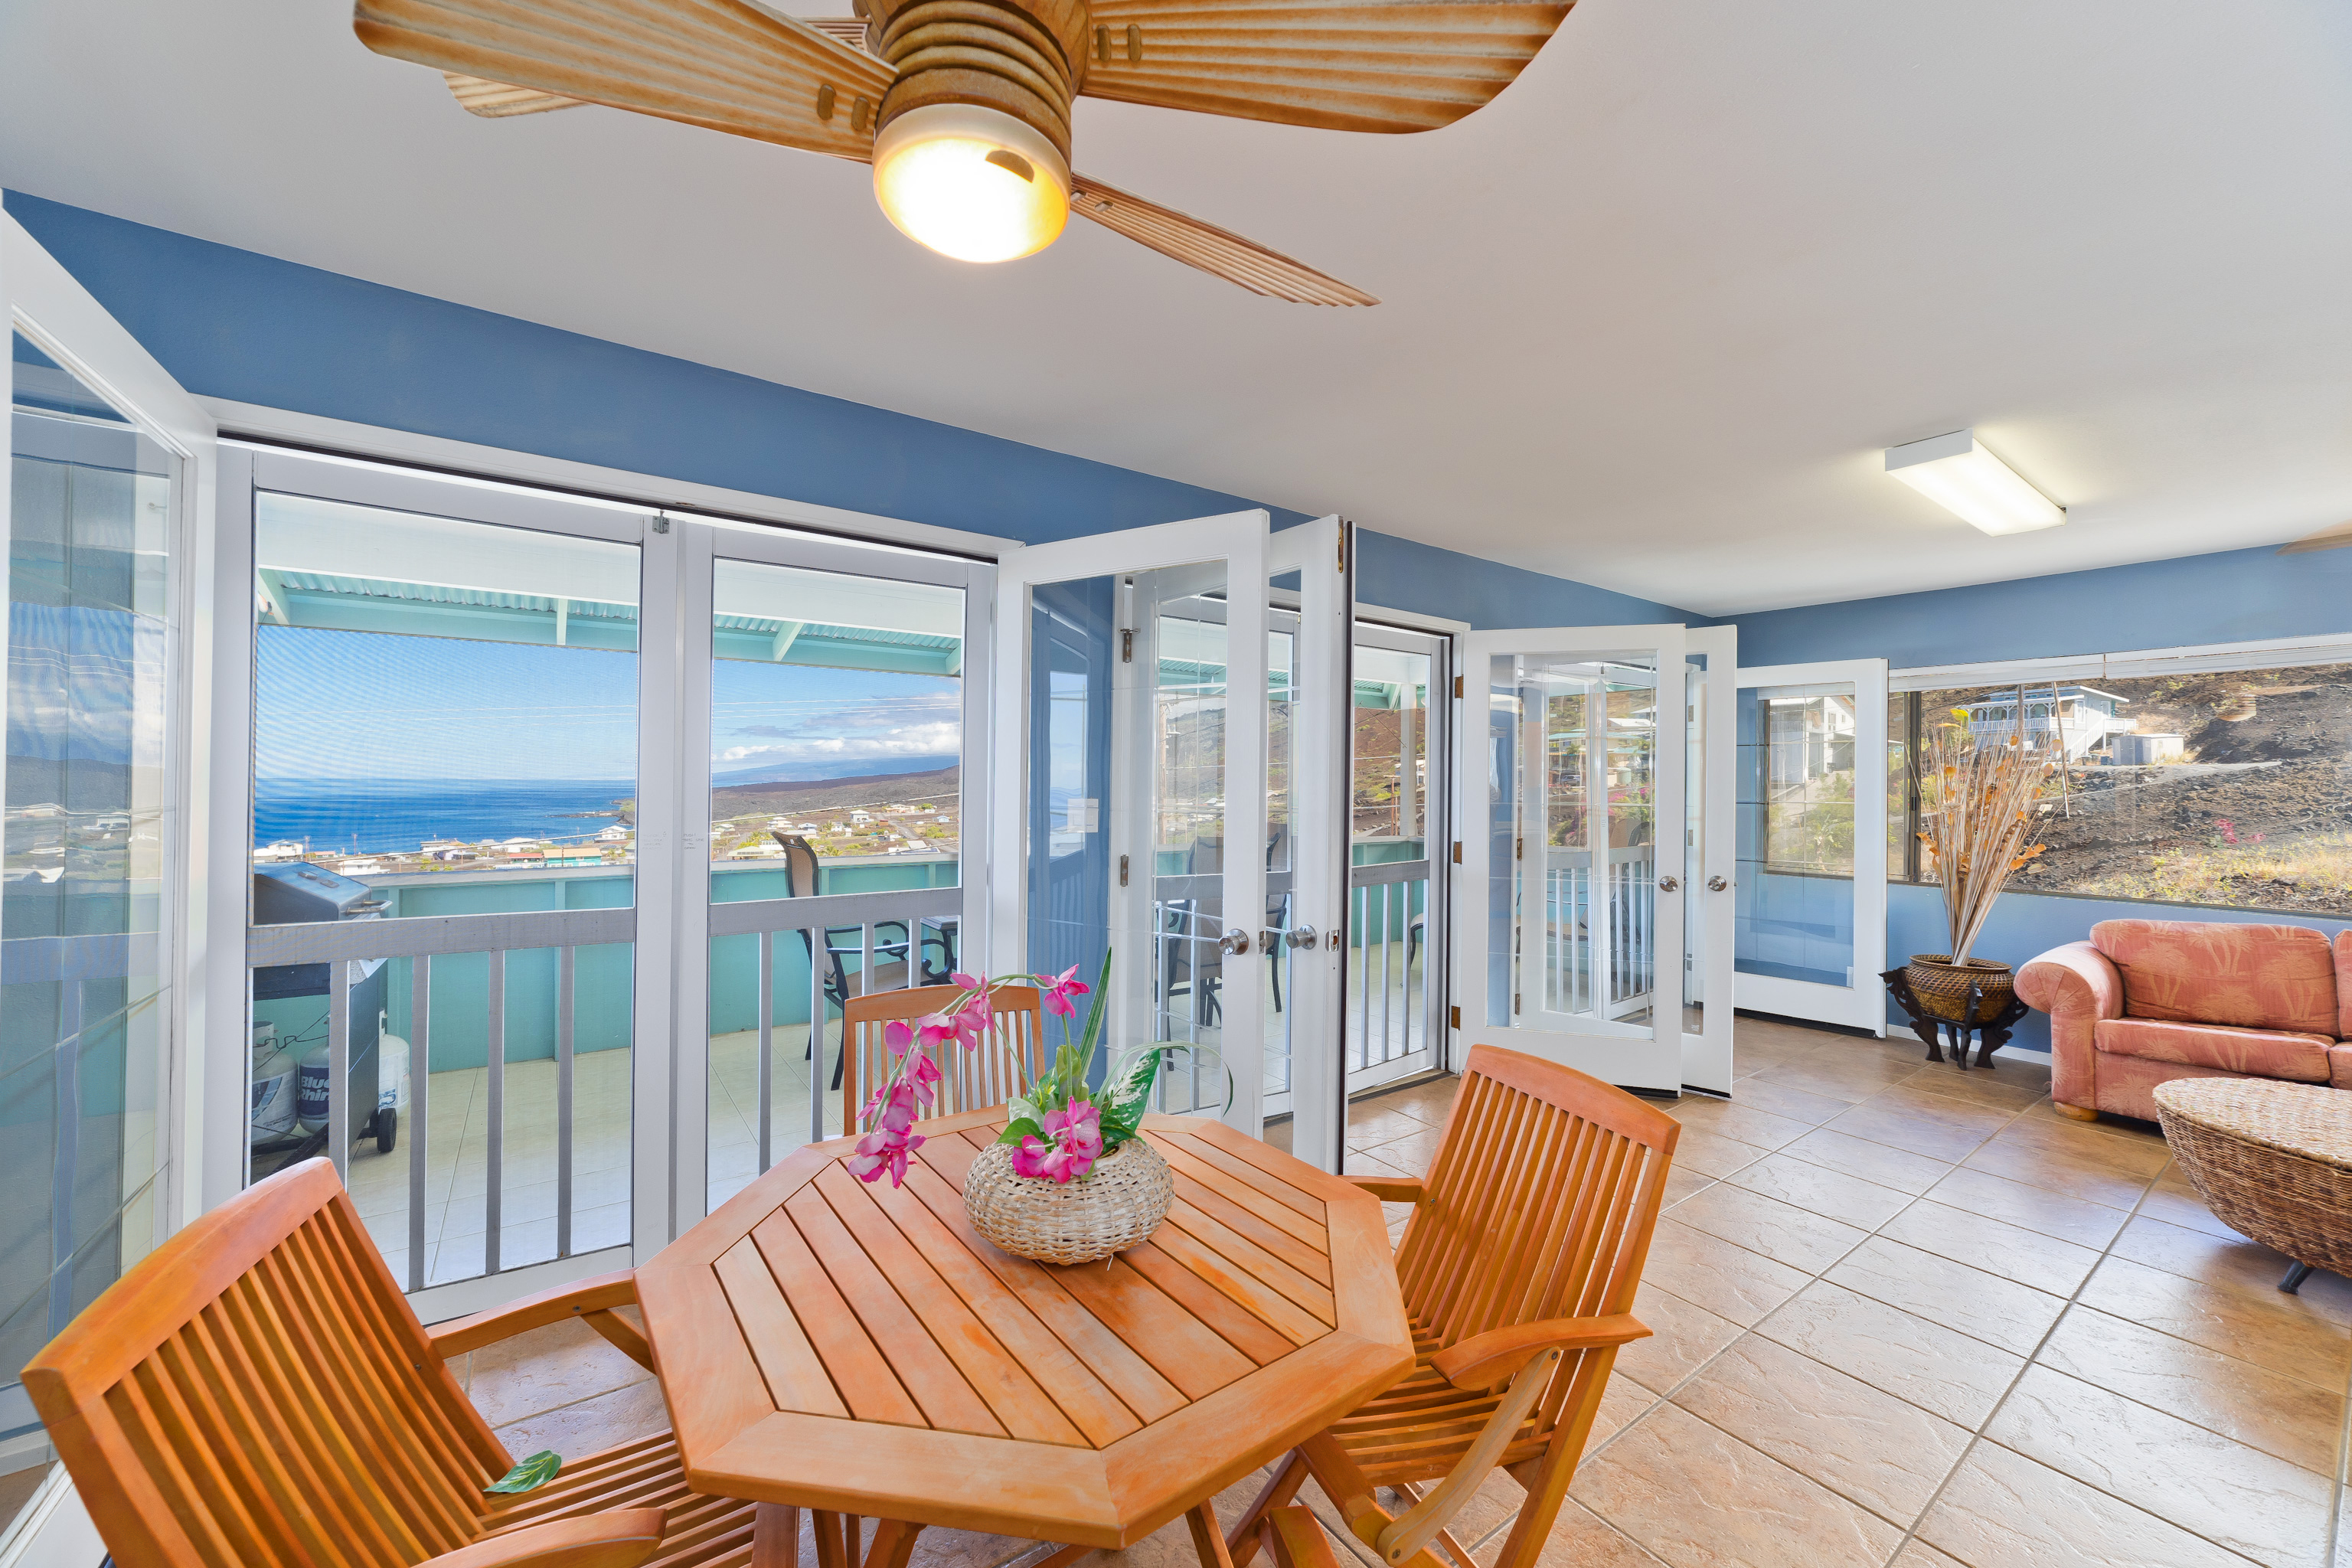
(497, 100)
(1212, 249)
(1369, 65)
(722, 64)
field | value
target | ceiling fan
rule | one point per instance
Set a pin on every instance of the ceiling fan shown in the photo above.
(962, 106)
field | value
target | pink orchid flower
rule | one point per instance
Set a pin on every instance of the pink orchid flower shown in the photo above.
(1032, 1158)
(882, 1150)
(1059, 989)
(924, 1075)
(1077, 1127)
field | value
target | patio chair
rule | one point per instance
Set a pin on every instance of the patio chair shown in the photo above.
(801, 878)
(256, 1393)
(990, 1074)
(1519, 1265)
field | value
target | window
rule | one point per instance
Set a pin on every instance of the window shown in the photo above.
(2231, 788)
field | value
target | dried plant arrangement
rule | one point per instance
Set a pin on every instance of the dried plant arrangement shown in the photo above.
(1977, 798)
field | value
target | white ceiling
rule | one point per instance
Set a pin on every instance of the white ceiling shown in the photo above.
(1649, 318)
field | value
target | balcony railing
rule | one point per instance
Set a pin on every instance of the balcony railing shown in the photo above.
(1599, 944)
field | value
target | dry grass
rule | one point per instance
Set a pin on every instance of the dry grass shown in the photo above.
(2314, 872)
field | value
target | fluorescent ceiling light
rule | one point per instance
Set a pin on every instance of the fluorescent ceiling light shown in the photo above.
(1970, 483)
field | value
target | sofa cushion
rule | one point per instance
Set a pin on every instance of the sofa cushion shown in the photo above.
(2246, 976)
(2257, 1053)
(2343, 983)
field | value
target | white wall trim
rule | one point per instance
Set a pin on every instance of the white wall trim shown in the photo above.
(1441, 625)
(403, 446)
(2263, 654)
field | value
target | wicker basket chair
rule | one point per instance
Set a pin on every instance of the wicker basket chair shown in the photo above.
(1001, 1065)
(1519, 1265)
(256, 1393)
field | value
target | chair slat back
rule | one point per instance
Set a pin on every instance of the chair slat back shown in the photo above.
(1540, 1203)
(258, 1393)
(1004, 1062)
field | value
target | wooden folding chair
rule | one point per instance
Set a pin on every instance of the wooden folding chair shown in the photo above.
(1007, 1060)
(256, 1393)
(1519, 1265)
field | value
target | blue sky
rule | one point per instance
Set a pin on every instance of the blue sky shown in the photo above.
(367, 706)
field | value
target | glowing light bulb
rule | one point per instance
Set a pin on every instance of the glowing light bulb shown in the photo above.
(970, 182)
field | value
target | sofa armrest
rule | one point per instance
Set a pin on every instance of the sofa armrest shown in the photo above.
(2074, 981)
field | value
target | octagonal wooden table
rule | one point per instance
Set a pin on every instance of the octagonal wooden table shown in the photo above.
(860, 1350)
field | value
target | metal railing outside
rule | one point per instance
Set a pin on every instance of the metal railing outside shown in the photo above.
(1388, 1000)
(344, 946)
(1615, 954)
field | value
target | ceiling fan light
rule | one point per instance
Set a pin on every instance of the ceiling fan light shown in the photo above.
(1957, 474)
(970, 182)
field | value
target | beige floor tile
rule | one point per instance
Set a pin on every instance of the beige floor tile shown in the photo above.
(2014, 1083)
(1864, 1444)
(1822, 1191)
(1728, 1281)
(1371, 1122)
(2003, 1511)
(2013, 1252)
(1935, 1368)
(1853, 1080)
(1682, 1338)
(1683, 1182)
(1745, 1123)
(2247, 1500)
(1579, 1539)
(2175, 1200)
(2260, 1325)
(1622, 1403)
(1926, 1095)
(1980, 1305)
(1712, 1155)
(1915, 1128)
(2200, 1255)
(1918, 1553)
(1782, 1231)
(590, 1425)
(2132, 1153)
(2051, 1213)
(1781, 1100)
(2295, 1421)
(1908, 1173)
(1693, 1495)
(2075, 1176)
(532, 1372)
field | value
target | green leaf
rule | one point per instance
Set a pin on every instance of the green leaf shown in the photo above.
(1023, 1126)
(1095, 1014)
(531, 1474)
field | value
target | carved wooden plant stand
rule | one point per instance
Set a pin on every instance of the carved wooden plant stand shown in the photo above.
(1992, 1030)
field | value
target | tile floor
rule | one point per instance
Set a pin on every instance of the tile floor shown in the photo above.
(1905, 1315)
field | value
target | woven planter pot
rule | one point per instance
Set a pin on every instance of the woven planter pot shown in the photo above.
(1111, 1208)
(1942, 987)
(2271, 1160)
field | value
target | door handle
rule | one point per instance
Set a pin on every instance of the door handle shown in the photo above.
(1716, 885)
(1233, 943)
(1669, 885)
(1267, 941)
(1304, 936)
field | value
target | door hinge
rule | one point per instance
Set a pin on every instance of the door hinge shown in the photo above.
(1457, 686)
(1122, 870)
(1457, 852)
(1127, 644)
(661, 523)
(1514, 1004)
(1518, 848)
(1453, 1017)
(1344, 526)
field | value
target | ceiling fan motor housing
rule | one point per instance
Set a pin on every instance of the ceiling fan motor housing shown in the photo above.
(1027, 60)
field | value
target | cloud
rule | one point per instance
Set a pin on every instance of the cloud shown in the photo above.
(944, 738)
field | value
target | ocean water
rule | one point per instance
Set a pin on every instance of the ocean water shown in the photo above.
(334, 815)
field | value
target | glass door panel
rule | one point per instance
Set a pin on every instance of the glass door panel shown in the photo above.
(446, 728)
(1809, 929)
(1142, 827)
(1393, 1006)
(835, 804)
(1583, 940)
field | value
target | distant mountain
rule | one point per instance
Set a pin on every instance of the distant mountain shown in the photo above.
(803, 796)
(817, 773)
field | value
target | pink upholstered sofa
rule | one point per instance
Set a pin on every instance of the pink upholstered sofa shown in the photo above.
(2144, 1002)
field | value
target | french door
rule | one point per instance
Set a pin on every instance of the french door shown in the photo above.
(1167, 762)
(1594, 861)
(1809, 937)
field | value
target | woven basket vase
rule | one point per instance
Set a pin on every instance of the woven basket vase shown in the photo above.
(1942, 987)
(2271, 1160)
(1111, 1208)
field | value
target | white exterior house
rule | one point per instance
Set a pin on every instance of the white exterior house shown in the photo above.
(2083, 716)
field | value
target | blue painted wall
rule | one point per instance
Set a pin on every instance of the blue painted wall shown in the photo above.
(2236, 595)
(235, 324)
